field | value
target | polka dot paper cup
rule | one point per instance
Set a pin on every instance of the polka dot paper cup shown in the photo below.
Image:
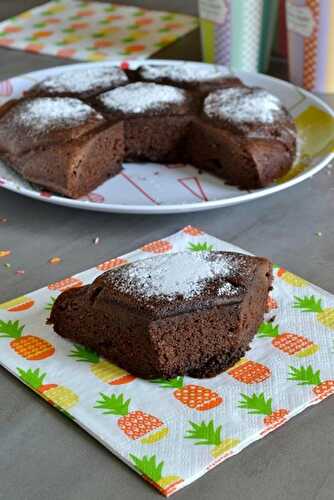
(311, 44)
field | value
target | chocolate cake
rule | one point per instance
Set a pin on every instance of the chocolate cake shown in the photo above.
(199, 79)
(244, 135)
(170, 315)
(72, 131)
(84, 83)
(61, 143)
(156, 118)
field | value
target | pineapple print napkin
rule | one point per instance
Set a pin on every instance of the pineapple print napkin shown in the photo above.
(93, 31)
(197, 423)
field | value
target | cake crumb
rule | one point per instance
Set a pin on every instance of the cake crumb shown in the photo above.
(20, 272)
(5, 253)
(319, 234)
(96, 240)
(54, 260)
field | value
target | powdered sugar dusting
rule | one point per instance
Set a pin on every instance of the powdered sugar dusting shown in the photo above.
(45, 113)
(179, 274)
(227, 289)
(188, 72)
(139, 97)
(243, 105)
(85, 80)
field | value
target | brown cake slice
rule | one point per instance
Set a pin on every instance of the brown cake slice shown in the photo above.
(245, 135)
(174, 314)
(156, 119)
(190, 76)
(62, 144)
(84, 83)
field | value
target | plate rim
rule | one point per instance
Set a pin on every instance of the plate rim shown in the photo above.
(180, 207)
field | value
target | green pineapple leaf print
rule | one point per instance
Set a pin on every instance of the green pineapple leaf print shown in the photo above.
(308, 304)
(49, 305)
(172, 383)
(148, 466)
(304, 376)
(113, 405)
(200, 247)
(84, 354)
(256, 404)
(204, 433)
(33, 378)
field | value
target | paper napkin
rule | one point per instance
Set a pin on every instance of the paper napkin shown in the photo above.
(197, 423)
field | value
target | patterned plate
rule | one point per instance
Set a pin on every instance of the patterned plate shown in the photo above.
(151, 188)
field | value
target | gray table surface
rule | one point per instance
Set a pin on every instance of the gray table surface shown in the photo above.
(43, 455)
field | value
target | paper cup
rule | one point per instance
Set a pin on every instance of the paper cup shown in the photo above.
(238, 33)
(311, 43)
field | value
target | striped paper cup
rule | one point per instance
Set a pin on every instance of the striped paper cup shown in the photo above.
(238, 33)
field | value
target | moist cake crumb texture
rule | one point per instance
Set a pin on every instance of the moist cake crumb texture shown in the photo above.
(139, 97)
(243, 105)
(46, 113)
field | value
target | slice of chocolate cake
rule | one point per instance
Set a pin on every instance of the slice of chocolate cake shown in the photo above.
(84, 83)
(175, 314)
(245, 135)
(190, 76)
(156, 118)
(61, 143)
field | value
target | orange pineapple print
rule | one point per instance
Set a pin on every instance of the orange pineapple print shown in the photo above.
(29, 347)
(192, 231)
(135, 424)
(159, 246)
(249, 372)
(290, 343)
(194, 396)
(307, 376)
(65, 284)
(110, 264)
(257, 404)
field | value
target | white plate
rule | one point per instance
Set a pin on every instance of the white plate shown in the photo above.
(150, 188)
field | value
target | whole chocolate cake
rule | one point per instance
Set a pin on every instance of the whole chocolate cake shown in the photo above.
(174, 314)
(73, 130)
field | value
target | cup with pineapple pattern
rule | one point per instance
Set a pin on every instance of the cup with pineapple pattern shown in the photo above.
(195, 397)
(207, 434)
(258, 404)
(134, 424)
(310, 304)
(57, 395)
(290, 343)
(151, 471)
(308, 376)
(28, 346)
(101, 368)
